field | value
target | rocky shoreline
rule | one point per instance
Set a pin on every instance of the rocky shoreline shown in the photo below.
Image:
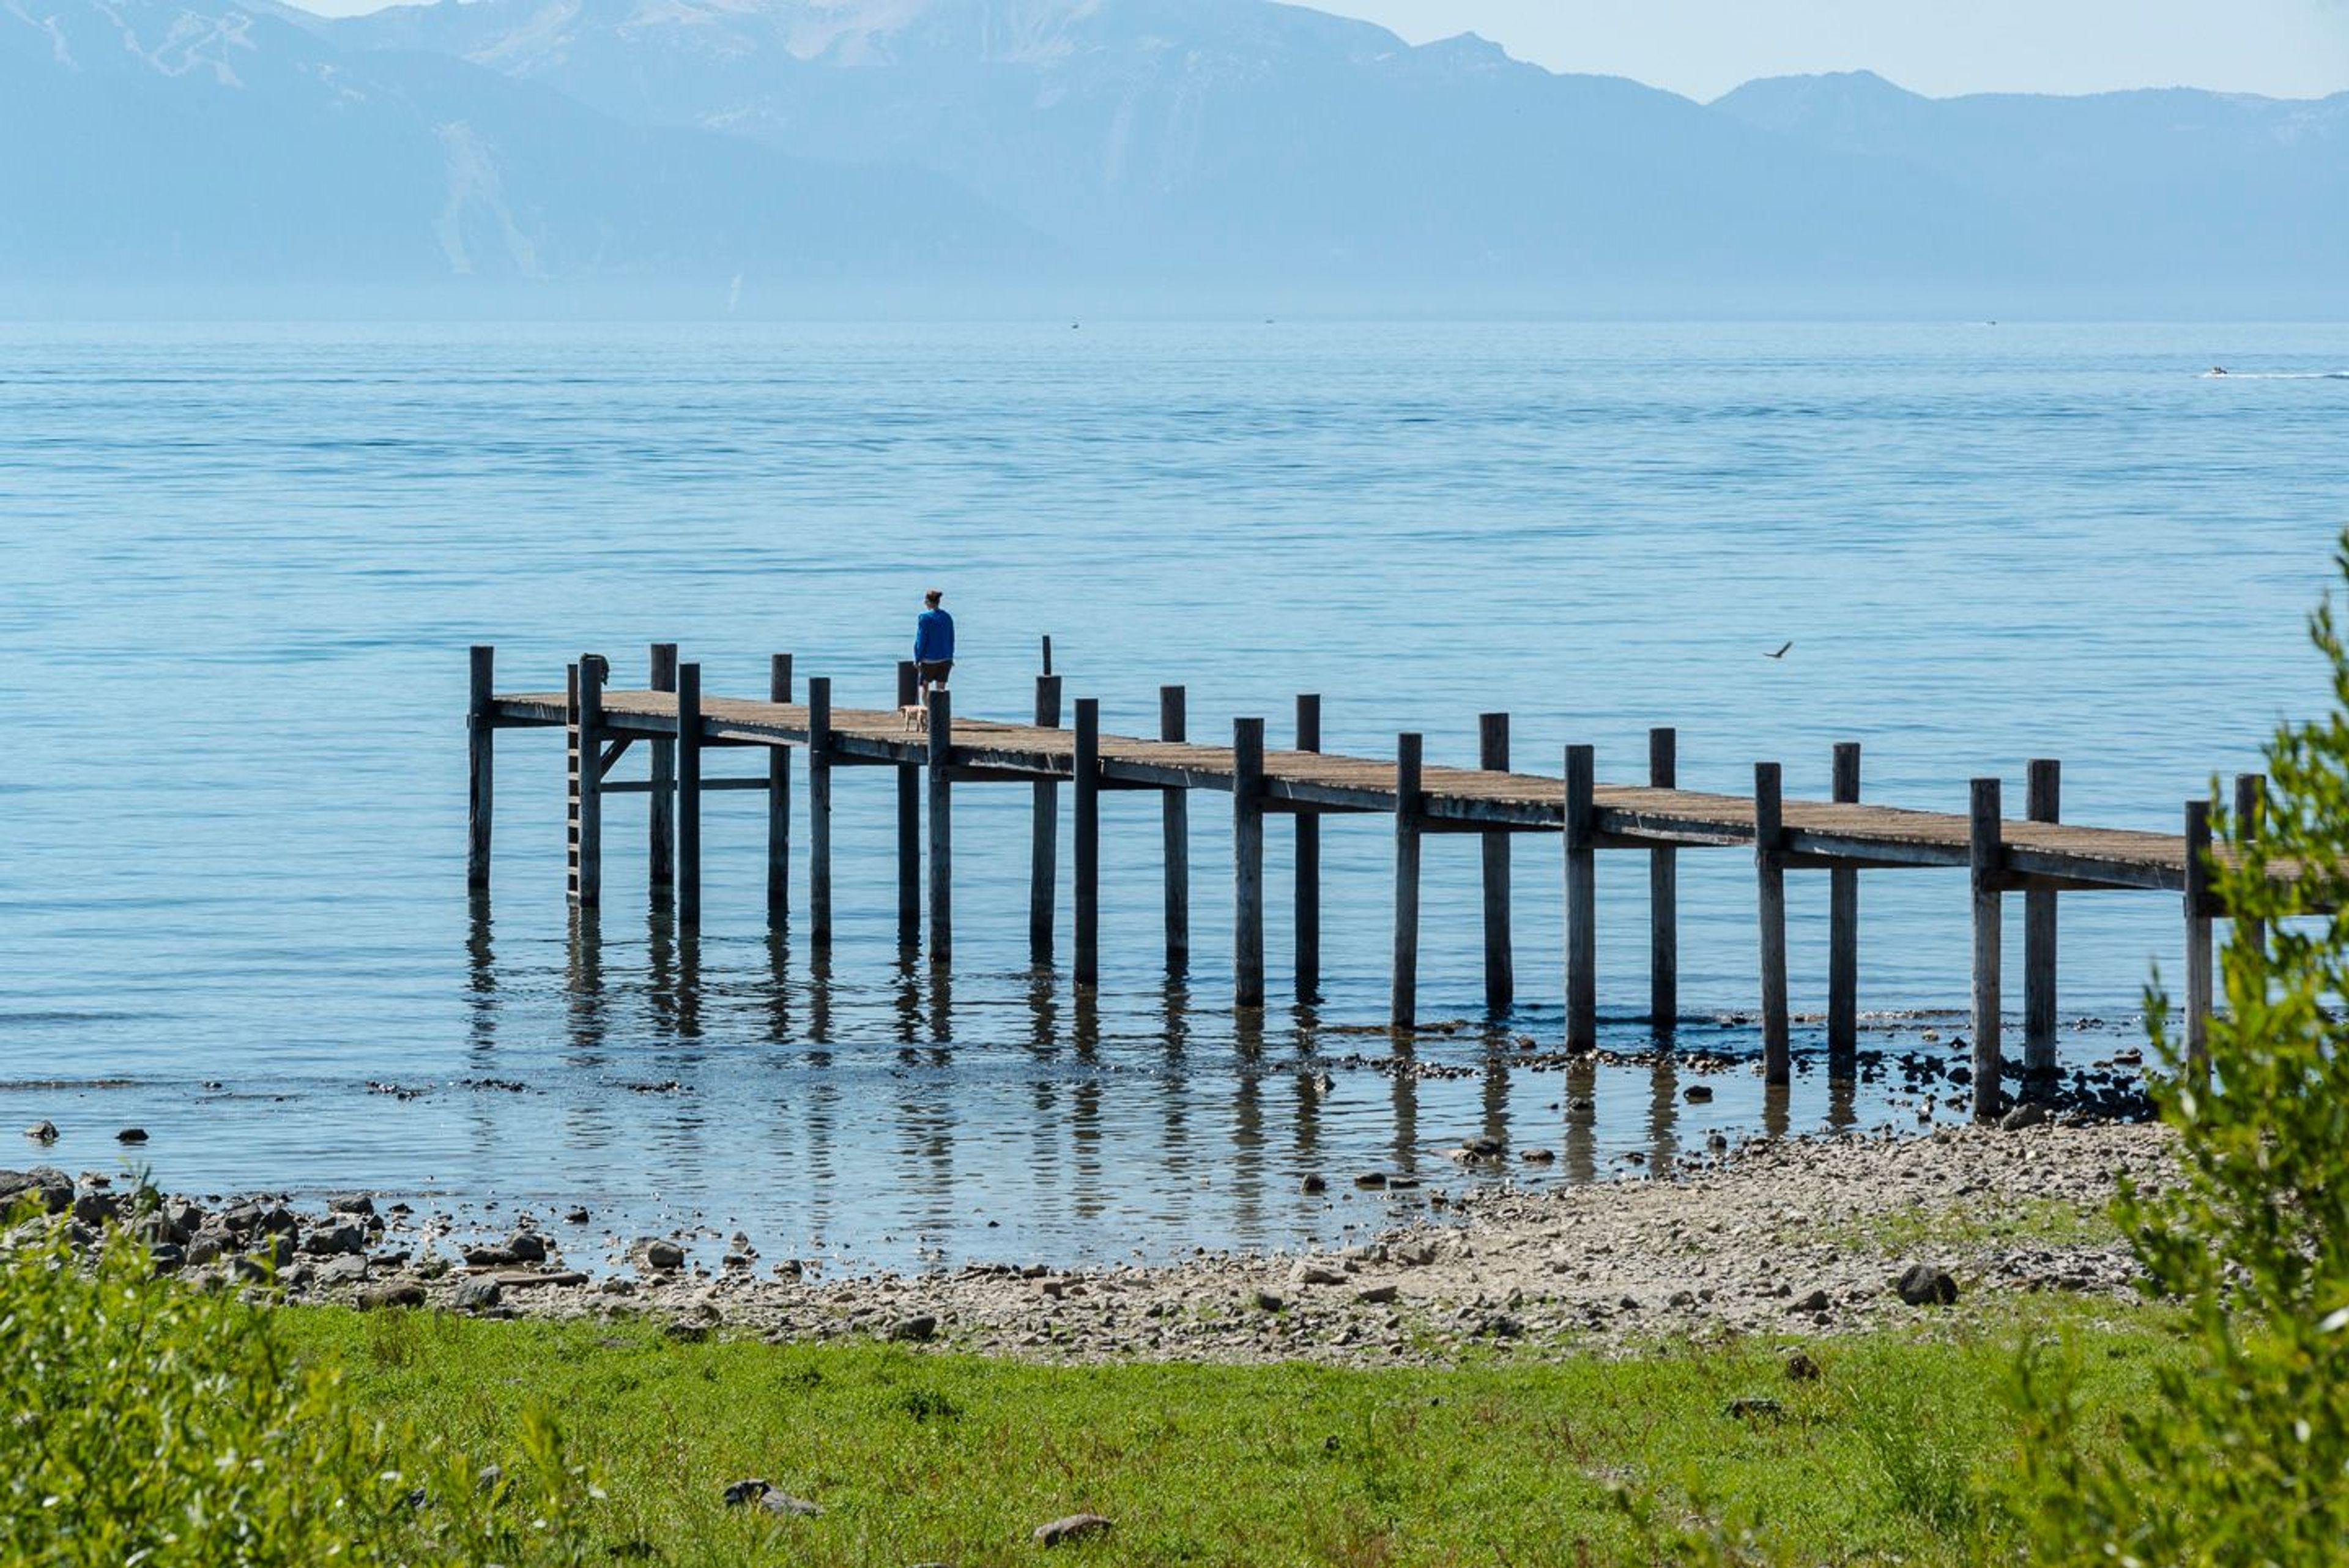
(1815, 1235)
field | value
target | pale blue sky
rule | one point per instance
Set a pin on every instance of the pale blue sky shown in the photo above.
(2286, 49)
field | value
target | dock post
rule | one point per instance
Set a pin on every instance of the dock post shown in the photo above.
(1086, 766)
(689, 795)
(1500, 977)
(779, 802)
(1982, 860)
(1663, 899)
(2043, 802)
(1175, 828)
(940, 758)
(661, 879)
(909, 824)
(1307, 904)
(1581, 824)
(1770, 874)
(587, 782)
(2197, 940)
(1044, 833)
(820, 812)
(480, 749)
(1843, 935)
(2250, 805)
(1248, 862)
(1402, 1011)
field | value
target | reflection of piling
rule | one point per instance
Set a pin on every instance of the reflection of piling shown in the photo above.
(1086, 766)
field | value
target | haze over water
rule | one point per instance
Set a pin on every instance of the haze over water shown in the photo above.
(245, 564)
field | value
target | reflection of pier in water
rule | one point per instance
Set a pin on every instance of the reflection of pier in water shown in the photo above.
(929, 752)
(1050, 1108)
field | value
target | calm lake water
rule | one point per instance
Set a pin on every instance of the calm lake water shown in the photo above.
(244, 564)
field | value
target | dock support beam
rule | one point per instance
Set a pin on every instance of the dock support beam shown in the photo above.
(2043, 802)
(1248, 862)
(1087, 767)
(1500, 976)
(1581, 835)
(689, 795)
(1174, 830)
(2198, 940)
(940, 765)
(1770, 875)
(1402, 1011)
(2250, 805)
(1307, 910)
(661, 878)
(820, 812)
(909, 826)
(1843, 936)
(481, 756)
(779, 804)
(587, 782)
(1663, 899)
(1984, 874)
(1044, 833)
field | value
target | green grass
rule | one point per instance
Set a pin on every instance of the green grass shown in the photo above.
(1898, 1454)
(2040, 1222)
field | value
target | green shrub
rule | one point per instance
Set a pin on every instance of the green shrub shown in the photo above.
(147, 1423)
(2244, 1455)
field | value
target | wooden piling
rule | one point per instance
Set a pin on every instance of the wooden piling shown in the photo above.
(1500, 978)
(1248, 862)
(1174, 831)
(2199, 910)
(779, 802)
(1402, 1011)
(940, 762)
(480, 749)
(909, 824)
(1770, 875)
(1581, 900)
(661, 876)
(1044, 833)
(587, 784)
(1663, 899)
(2250, 805)
(2043, 802)
(689, 795)
(1985, 875)
(1048, 653)
(1305, 907)
(1843, 936)
(819, 750)
(1087, 769)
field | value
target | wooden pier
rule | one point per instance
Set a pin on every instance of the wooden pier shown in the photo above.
(2037, 856)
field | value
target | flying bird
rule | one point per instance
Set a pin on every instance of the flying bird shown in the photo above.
(1782, 652)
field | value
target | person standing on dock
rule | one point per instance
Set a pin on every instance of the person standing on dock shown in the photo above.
(933, 644)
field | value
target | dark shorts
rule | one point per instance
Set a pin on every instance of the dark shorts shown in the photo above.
(934, 672)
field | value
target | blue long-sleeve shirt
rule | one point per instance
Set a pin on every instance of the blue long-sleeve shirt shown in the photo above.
(934, 637)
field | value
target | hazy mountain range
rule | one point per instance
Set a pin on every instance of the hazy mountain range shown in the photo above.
(716, 153)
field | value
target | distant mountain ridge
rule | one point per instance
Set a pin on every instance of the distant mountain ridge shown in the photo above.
(1147, 152)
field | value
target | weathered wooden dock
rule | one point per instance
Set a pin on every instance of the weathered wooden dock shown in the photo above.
(2038, 855)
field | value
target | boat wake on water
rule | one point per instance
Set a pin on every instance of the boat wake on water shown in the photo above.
(2220, 373)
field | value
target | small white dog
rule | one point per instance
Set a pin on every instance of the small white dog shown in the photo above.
(914, 717)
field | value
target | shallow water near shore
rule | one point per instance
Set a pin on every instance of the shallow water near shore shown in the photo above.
(245, 564)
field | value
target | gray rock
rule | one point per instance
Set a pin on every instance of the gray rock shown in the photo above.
(916, 1329)
(783, 1502)
(496, 1256)
(1754, 1408)
(1265, 1300)
(1376, 1295)
(661, 1257)
(743, 1493)
(1801, 1368)
(345, 1270)
(95, 1208)
(1371, 1181)
(1922, 1284)
(2029, 1114)
(395, 1293)
(477, 1295)
(166, 1258)
(527, 1246)
(1315, 1274)
(335, 1240)
(42, 1131)
(45, 1185)
(131, 1135)
(1698, 1094)
(205, 1247)
(1076, 1526)
(351, 1203)
(1317, 1184)
(1816, 1302)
